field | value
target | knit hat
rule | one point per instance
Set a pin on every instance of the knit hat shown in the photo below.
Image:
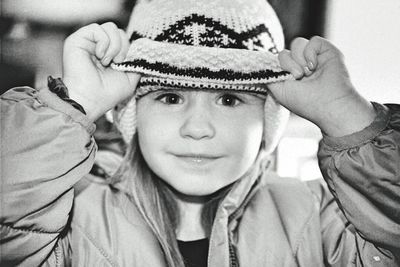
(205, 44)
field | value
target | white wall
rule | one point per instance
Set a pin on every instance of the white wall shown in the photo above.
(62, 11)
(368, 33)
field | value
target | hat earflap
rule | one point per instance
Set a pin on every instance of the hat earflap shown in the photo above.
(124, 116)
(276, 117)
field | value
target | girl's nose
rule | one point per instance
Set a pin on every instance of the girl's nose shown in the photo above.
(197, 123)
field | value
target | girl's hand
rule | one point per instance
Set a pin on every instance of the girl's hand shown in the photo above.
(87, 54)
(322, 91)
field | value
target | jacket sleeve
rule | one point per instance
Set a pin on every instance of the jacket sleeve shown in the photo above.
(46, 147)
(362, 171)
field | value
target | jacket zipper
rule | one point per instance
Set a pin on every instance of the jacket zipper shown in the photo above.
(233, 262)
(232, 256)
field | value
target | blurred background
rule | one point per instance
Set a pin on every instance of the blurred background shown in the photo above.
(367, 32)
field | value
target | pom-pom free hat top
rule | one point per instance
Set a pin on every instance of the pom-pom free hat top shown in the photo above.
(203, 45)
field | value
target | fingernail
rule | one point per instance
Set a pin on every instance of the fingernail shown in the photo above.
(307, 71)
(106, 61)
(310, 65)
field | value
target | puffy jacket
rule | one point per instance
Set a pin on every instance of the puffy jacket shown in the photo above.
(48, 218)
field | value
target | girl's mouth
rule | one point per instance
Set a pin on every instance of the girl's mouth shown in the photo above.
(198, 159)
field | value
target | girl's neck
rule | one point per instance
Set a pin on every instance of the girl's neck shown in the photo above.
(190, 226)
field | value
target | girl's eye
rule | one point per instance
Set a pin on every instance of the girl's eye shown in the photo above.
(170, 99)
(229, 100)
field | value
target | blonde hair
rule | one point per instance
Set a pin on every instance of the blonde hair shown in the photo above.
(156, 202)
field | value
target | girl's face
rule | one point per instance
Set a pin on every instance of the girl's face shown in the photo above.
(197, 141)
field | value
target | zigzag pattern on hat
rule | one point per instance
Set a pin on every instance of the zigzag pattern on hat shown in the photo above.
(229, 41)
(198, 30)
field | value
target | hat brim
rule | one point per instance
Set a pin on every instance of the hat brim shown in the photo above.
(199, 64)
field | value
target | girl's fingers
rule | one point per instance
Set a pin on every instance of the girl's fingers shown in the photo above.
(289, 64)
(100, 39)
(106, 42)
(297, 47)
(311, 51)
(114, 47)
(319, 49)
(124, 47)
(91, 38)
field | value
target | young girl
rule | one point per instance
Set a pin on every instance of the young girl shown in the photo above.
(200, 91)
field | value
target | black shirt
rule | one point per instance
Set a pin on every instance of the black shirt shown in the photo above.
(194, 253)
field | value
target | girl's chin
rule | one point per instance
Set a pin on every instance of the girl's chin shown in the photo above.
(194, 194)
(191, 192)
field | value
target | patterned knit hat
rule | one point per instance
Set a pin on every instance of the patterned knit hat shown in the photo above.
(205, 44)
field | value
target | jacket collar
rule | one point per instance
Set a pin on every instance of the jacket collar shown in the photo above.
(221, 251)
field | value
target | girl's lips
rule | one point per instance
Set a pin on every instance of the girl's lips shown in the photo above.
(197, 159)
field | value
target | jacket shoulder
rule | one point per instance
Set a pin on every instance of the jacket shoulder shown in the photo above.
(290, 189)
(105, 220)
(96, 198)
(285, 210)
